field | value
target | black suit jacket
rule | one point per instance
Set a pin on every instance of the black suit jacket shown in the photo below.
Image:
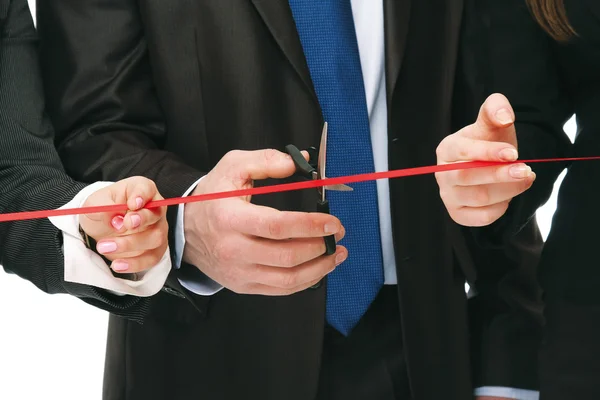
(31, 174)
(547, 82)
(165, 88)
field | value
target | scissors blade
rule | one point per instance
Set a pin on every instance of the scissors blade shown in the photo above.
(339, 188)
(322, 161)
(322, 152)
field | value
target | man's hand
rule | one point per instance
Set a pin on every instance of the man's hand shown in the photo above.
(253, 249)
(133, 242)
(478, 197)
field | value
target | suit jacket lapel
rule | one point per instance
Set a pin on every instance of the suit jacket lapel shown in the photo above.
(279, 20)
(278, 17)
(397, 16)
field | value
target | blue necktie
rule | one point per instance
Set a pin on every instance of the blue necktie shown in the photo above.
(328, 37)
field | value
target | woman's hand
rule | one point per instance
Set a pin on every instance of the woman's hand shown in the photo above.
(136, 241)
(478, 197)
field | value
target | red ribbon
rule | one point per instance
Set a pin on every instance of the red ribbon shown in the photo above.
(400, 173)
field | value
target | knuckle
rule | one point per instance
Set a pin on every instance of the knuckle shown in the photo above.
(148, 185)
(463, 153)
(232, 278)
(152, 259)
(163, 226)
(486, 217)
(125, 244)
(463, 176)
(275, 228)
(270, 155)
(442, 148)
(482, 196)
(289, 279)
(502, 174)
(457, 216)
(287, 258)
(444, 195)
(439, 150)
(222, 219)
(239, 289)
(157, 238)
(232, 155)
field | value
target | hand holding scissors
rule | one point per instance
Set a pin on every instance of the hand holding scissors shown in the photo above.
(309, 171)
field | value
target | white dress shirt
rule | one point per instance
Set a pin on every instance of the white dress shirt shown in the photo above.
(85, 266)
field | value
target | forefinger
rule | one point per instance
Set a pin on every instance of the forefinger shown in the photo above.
(487, 175)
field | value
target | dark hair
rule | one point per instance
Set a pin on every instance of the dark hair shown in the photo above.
(552, 16)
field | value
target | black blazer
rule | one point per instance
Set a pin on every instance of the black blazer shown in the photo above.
(547, 82)
(31, 174)
(165, 88)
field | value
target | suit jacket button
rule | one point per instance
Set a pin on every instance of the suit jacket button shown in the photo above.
(173, 292)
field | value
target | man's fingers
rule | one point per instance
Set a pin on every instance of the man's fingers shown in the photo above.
(485, 195)
(258, 164)
(290, 278)
(270, 223)
(283, 253)
(282, 282)
(456, 148)
(488, 175)
(478, 216)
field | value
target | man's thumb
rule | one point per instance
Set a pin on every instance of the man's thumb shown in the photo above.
(260, 164)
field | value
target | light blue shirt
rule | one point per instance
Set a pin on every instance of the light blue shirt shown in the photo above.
(369, 23)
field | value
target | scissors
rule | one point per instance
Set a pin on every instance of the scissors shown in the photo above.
(310, 171)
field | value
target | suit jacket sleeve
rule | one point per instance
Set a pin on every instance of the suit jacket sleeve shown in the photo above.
(102, 100)
(31, 175)
(503, 50)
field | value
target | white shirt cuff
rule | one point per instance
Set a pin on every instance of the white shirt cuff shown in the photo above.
(509, 393)
(200, 284)
(84, 266)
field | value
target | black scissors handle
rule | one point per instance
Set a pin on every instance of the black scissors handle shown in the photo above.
(305, 169)
(330, 243)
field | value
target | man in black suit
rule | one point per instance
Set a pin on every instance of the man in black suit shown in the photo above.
(190, 93)
(51, 252)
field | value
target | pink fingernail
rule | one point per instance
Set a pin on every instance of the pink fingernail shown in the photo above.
(106, 247)
(120, 266)
(136, 220)
(117, 222)
(139, 202)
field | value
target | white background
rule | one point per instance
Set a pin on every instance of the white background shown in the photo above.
(52, 346)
